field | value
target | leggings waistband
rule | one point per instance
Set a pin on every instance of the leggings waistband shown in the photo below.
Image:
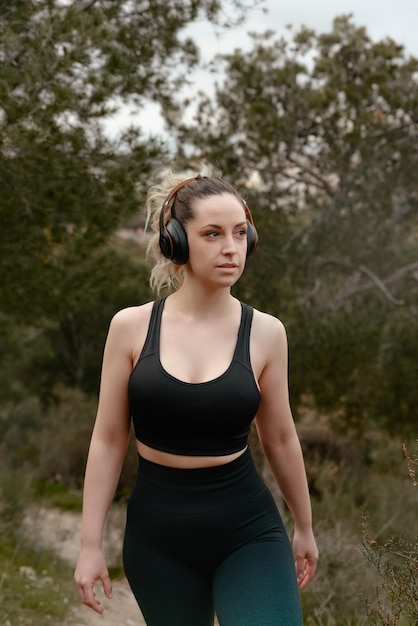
(160, 487)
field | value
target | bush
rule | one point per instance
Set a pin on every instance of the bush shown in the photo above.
(63, 443)
(396, 561)
(347, 479)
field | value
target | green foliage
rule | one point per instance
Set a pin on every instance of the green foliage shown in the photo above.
(51, 443)
(66, 67)
(71, 345)
(395, 559)
(15, 491)
(58, 495)
(64, 187)
(320, 132)
(35, 588)
(368, 476)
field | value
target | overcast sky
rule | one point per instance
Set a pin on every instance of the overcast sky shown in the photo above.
(397, 19)
(394, 18)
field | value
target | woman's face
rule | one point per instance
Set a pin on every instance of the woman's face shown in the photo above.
(217, 237)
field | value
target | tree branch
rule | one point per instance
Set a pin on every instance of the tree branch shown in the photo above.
(375, 281)
(88, 5)
(380, 284)
(323, 184)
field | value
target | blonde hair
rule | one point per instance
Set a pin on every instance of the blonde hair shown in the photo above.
(165, 273)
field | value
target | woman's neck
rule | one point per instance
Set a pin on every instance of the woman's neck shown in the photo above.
(199, 301)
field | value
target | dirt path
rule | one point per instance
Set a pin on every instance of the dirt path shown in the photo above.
(60, 530)
(121, 610)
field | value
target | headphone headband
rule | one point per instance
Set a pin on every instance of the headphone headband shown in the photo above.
(173, 238)
(248, 215)
(168, 202)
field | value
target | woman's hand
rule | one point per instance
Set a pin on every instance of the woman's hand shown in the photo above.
(92, 567)
(306, 554)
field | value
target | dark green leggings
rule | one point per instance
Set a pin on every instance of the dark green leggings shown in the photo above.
(209, 539)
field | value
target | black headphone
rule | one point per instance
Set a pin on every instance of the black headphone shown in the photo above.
(173, 237)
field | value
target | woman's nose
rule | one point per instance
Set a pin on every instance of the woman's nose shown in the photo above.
(230, 244)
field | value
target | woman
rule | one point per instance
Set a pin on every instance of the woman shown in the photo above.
(193, 370)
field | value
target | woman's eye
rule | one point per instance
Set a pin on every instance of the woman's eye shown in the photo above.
(212, 234)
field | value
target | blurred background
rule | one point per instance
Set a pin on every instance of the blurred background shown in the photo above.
(312, 113)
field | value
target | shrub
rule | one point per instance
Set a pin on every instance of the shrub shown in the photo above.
(396, 561)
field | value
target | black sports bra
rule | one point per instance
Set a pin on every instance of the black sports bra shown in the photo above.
(212, 418)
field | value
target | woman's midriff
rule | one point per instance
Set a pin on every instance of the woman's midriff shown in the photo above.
(183, 461)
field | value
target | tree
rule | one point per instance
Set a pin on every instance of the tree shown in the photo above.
(320, 131)
(66, 187)
(65, 67)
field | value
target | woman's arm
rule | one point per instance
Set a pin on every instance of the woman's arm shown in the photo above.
(280, 443)
(107, 451)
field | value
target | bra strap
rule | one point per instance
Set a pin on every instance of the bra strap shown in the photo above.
(152, 341)
(242, 352)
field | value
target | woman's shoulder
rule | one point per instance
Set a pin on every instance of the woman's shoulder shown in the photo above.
(128, 329)
(267, 321)
(132, 317)
(267, 327)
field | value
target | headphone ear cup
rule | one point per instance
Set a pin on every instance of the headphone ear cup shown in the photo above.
(173, 242)
(252, 238)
